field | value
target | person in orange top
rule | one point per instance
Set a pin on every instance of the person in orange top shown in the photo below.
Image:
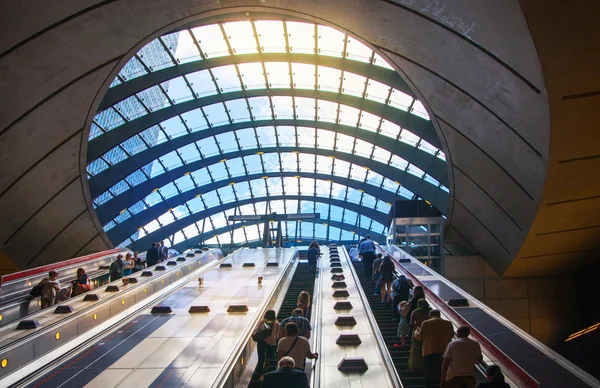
(435, 333)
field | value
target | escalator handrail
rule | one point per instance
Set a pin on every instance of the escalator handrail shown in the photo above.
(46, 268)
(510, 367)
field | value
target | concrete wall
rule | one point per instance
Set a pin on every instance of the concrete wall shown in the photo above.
(544, 307)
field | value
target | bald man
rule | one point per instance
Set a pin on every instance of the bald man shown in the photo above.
(286, 376)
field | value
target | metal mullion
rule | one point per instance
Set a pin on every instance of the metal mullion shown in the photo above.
(249, 108)
(262, 63)
(180, 157)
(227, 113)
(198, 229)
(148, 110)
(218, 146)
(345, 51)
(272, 110)
(266, 187)
(175, 63)
(294, 107)
(245, 235)
(125, 119)
(341, 82)
(187, 128)
(197, 44)
(226, 38)
(146, 67)
(262, 162)
(296, 135)
(206, 117)
(161, 164)
(165, 94)
(227, 170)
(280, 162)
(389, 97)
(212, 180)
(198, 149)
(235, 193)
(257, 141)
(297, 162)
(189, 85)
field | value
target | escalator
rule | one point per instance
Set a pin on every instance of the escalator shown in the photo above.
(301, 281)
(383, 315)
(19, 304)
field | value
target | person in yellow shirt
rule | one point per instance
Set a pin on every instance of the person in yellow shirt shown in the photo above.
(435, 333)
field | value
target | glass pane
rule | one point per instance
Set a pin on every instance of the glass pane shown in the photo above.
(154, 56)
(341, 168)
(286, 136)
(327, 111)
(266, 136)
(271, 162)
(238, 110)
(416, 171)
(283, 107)
(195, 120)
(325, 139)
(227, 142)
(378, 92)
(173, 127)
(323, 188)
(398, 162)
(369, 121)
(252, 75)
(275, 186)
(171, 160)
(400, 100)
(246, 138)
(305, 108)
(301, 37)
(134, 145)
(185, 183)
(409, 138)
(260, 107)
(270, 36)
(211, 40)
(208, 146)
(182, 47)
(131, 108)
(390, 129)
(358, 173)
(419, 110)
(303, 76)
(374, 178)
(236, 167)
(357, 51)
(253, 164)
(363, 148)
(353, 84)
(154, 98)
(348, 115)
(329, 79)
(226, 78)
(425, 146)
(226, 194)
(218, 171)
(278, 74)
(189, 153)
(241, 37)
(202, 83)
(169, 190)
(177, 90)
(381, 155)
(344, 143)
(379, 61)
(132, 69)
(306, 162)
(331, 41)
(216, 114)
(289, 161)
(306, 136)
(201, 176)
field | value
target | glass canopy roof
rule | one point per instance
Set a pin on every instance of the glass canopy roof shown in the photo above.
(288, 113)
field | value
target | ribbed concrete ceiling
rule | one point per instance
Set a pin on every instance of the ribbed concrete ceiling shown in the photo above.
(474, 67)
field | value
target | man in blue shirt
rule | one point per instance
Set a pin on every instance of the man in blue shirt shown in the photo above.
(367, 251)
(302, 323)
(313, 254)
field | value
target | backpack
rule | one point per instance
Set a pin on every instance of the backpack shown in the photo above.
(36, 291)
(401, 286)
(262, 332)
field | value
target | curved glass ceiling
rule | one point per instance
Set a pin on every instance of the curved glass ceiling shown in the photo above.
(263, 97)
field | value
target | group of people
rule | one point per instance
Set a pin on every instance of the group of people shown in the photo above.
(288, 340)
(157, 253)
(447, 362)
(125, 266)
(50, 292)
